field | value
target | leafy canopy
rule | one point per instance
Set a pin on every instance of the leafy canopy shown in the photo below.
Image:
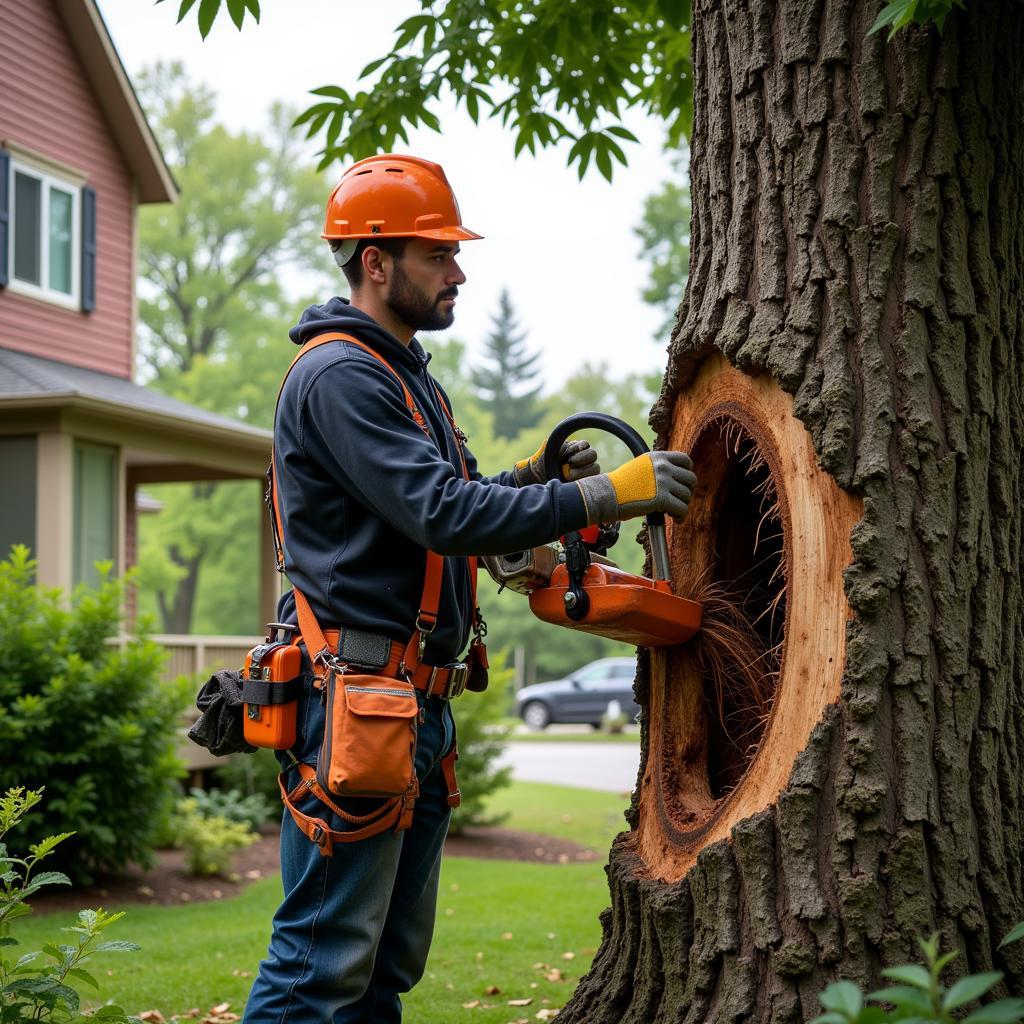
(551, 71)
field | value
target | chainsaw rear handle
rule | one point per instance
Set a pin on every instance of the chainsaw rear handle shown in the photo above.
(637, 446)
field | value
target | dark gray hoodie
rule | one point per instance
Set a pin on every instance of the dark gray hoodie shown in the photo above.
(364, 493)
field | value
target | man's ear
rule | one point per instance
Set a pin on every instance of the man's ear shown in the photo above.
(373, 264)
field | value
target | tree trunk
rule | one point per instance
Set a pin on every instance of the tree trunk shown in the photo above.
(849, 354)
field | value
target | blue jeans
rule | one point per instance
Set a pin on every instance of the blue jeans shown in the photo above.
(354, 929)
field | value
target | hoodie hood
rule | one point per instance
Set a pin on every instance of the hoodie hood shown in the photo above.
(339, 314)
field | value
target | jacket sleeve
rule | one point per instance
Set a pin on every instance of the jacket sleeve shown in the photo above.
(354, 423)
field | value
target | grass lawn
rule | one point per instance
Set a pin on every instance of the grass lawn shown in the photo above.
(497, 920)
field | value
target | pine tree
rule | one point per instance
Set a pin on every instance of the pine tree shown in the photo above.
(509, 366)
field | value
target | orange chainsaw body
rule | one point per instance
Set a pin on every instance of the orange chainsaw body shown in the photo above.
(623, 606)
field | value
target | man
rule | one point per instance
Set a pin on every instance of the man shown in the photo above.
(364, 492)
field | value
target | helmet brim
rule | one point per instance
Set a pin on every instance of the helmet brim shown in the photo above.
(455, 234)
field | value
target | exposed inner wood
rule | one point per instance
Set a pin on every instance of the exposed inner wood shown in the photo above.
(682, 806)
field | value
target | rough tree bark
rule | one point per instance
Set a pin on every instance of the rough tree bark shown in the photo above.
(858, 241)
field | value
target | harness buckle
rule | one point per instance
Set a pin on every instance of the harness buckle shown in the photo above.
(458, 673)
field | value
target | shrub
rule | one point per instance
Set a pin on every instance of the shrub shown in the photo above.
(253, 773)
(919, 996)
(482, 732)
(32, 988)
(252, 810)
(209, 842)
(90, 720)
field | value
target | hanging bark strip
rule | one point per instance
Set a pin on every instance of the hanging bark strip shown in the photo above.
(858, 239)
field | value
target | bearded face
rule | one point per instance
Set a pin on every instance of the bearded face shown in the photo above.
(417, 308)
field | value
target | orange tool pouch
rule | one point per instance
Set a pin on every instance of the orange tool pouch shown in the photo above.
(271, 684)
(369, 744)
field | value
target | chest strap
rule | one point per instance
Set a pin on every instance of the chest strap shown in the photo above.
(430, 600)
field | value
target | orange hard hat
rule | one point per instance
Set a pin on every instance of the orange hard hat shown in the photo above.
(392, 196)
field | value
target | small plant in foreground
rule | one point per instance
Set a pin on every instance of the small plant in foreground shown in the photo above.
(209, 842)
(30, 988)
(920, 997)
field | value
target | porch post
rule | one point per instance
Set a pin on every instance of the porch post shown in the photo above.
(55, 510)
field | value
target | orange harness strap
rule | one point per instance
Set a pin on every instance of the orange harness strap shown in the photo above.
(396, 813)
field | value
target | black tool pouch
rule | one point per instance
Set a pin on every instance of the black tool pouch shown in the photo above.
(219, 727)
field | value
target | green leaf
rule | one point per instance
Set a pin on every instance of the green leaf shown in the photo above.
(374, 65)
(623, 133)
(186, 6)
(85, 976)
(1002, 1011)
(1015, 934)
(844, 997)
(254, 9)
(8, 940)
(910, 974)
(117, 946)
(904, 997)
(974, 986)
(236, 8)
(207, 15)
(332, 90)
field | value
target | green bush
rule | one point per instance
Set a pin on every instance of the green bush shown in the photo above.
(252, 810)
(482, 732)
(209, 842)
(35, 985)
(91, 721)
(920, 997)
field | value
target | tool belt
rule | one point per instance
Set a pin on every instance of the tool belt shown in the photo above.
(369, 743)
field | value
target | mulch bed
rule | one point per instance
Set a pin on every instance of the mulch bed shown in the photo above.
(167, 883)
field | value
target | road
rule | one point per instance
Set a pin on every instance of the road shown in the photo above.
(610, 767)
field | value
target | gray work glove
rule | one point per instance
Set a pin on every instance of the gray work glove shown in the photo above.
(652, 482)
(577, 458)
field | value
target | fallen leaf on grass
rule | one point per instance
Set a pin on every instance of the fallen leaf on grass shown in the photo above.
(554, 975)
(471, 1005)
(154, 1016)
(492, 990)
(546, 1014)
(220, 1008)
(507, 935)
(520, 1002)
(238, 973)
(540, 967)
(569, 956)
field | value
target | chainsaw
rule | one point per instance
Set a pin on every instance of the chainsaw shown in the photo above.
(574, 584)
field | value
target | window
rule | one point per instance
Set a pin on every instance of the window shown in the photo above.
(45, 235)
(95, 510)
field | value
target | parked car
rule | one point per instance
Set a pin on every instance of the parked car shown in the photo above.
(582, 696)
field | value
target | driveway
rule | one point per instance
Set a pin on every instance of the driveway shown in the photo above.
(611, 767)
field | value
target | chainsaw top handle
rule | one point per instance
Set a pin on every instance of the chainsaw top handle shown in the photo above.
(637, 446)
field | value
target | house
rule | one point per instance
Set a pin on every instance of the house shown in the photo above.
(78, 436)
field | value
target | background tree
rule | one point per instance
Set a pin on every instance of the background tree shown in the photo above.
(503, 381)
(214, 316)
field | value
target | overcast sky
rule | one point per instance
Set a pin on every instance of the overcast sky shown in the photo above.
(565, 249)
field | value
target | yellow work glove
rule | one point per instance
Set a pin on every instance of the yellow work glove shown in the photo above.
(578, 460)
(652, 482)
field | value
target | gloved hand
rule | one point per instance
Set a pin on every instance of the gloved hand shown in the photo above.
(652, 482)
(577, 459)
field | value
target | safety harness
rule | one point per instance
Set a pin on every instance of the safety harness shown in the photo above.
(404, 661)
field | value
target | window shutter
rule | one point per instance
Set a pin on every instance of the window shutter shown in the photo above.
(88, 249)
(5, 215)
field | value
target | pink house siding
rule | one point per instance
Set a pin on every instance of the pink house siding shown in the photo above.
(57, 115)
